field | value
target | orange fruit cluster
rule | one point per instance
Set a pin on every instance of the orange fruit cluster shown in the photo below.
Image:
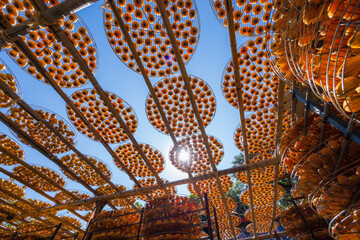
(11, 146)
(296, 228)
(84, 170)
(263, 214)
(37, 181)
(261, 227)
(132, 160)
(71, 220)
(151, 181)
(144, 25)
(29, 208)
(65, 198)
(7, 77)
(303, 142)
(95, 111)
(346, 227)
(198, 161)
(258, 82)
(171, 214)
(51, 53)
(320, 163)
(175, 102)
(323, 49)
(39, 132)
(117, 224)
(224, 226)
(251, 18)
(12, 187)
(262, 194)
(217, 202)
(261, 130)
(35, 229)
(210, 187)
(120, 202)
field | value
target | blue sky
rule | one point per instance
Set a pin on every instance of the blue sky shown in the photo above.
(207, 63)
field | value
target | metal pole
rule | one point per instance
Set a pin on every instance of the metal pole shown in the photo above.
(303, 218)
(56, 231)
(141, 218)
(211, 235)
(216, 224)
(307, 104)
(76, 235)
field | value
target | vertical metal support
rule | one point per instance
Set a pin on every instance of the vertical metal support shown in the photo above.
(307, 104)
(216, 224)
(56, 231)
(293, 103)
(324, 121)
(308, 228)
(141, 219)
(345, 144)
(76, 235)
(207, 209)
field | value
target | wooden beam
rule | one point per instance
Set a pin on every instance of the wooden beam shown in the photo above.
(42, 193)
(34, 206)
(119, 195)
(44, 18)
(8, 91)
(132, 47)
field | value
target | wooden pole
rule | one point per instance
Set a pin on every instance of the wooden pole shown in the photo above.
(118, 195)
(132, 47)
(42, 193)
(194, 106)
(48, 78)
(58, 227)
(238, 88)
(43, 18)
(8, 91)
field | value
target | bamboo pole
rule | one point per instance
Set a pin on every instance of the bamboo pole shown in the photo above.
(277, 146)
(59, 34)
(185, 76)
(231, 29)
(140, 64)
(36, 207)
(48, 78)
(42, 193)
(44, 18)
(3, 202)
(8, 91)
(41, 149)
(129, 193)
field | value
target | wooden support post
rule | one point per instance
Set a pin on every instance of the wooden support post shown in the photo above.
(216, 224)
(207, 209)
(58, 227)
(99, 206)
